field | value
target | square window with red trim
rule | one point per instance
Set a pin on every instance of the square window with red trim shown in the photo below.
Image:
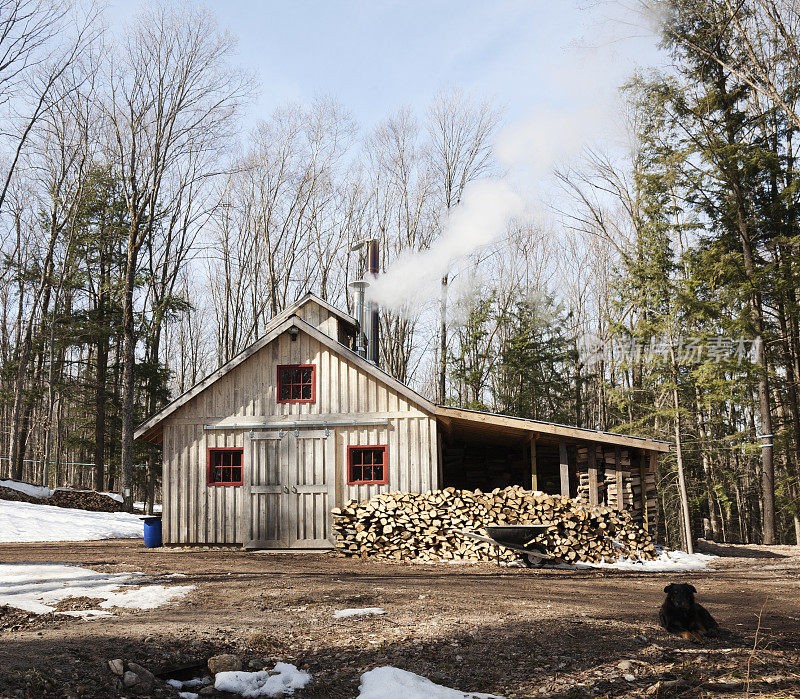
(367, 465)
(225, 466)
(297, 383)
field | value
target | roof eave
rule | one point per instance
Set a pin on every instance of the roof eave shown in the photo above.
(552, 429)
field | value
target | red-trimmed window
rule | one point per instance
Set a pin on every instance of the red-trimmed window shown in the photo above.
(297, 383)
(225, 466)
(367, 465)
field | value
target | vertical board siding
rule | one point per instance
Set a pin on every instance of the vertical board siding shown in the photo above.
(195, 513)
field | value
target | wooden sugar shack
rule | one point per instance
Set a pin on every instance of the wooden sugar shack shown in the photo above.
(257, 453)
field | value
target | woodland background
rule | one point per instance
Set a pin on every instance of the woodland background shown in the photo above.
(146, 238)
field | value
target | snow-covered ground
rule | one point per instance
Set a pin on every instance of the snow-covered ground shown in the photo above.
(393, 683)
(284, 679)
(667, 562)
(24, 521)
(342, 613)
(38, 587)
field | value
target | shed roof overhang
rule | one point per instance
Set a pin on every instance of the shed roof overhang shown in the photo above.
(488, 425)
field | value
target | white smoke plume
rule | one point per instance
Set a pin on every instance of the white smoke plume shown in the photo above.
(582, 107)
(481, 217)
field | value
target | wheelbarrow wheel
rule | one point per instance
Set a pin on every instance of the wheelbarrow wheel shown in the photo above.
(531, 561)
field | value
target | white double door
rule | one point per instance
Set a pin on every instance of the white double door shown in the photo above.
(288, 489)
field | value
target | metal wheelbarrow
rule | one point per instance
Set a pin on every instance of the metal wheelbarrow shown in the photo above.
(517, 537)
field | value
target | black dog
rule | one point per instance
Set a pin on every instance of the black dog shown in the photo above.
(682, 615)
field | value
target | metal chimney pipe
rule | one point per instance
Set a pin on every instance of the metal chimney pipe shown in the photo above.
(358, 288)
(373, 267)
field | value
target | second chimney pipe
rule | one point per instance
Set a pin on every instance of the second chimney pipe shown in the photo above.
(373, 266)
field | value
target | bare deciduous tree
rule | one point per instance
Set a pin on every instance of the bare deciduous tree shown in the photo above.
(172, 95)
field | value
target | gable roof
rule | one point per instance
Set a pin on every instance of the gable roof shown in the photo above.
(297, 305)
(149, 430)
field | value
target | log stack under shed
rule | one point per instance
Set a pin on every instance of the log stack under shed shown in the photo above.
(617, 470)
(427, 526)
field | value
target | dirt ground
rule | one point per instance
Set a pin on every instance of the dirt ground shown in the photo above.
(513, 632)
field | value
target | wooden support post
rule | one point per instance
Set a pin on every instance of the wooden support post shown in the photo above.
(439, 462)
(593, 494)
(653, 467)
(562, 455)
(534, 471)
(618, 464)
(643, 458)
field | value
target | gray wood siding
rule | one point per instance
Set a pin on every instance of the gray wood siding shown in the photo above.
(197, 513)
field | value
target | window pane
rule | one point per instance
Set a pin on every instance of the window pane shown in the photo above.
(355, 456)
(236, 458)
(296, 376)
(356, 473)
(377, 473)
(306, 375)
(286, 389)
(236, 474)
(226, 458)
(217, 477)
(306, 392)
(226, 475)
(367, 456)
(377, 456)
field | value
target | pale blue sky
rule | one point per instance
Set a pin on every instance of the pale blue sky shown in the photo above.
(377, 55)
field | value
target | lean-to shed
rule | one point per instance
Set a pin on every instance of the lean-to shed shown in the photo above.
(258, 453)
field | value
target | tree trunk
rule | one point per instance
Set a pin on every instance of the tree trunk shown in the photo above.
(443, 345)
(686, 518)
(100, 414)
(128, 361)
(101, 378)
(152, 474)
(707, 470)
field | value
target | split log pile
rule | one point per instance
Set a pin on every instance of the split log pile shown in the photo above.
(426, 526)
(84, 500)
(63, 497)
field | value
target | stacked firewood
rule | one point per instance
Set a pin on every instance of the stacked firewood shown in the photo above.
(428, 526)
(607, 481)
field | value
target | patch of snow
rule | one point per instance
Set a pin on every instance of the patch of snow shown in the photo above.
(25, 521)
(342, 613)
(38, 587)
(148, 597)
(189, 684)
(667, 562)
(392, 683)
(188, 695)
(140, 506)
(35, 491)
(87, 613)
(114, 496)
(285, 678)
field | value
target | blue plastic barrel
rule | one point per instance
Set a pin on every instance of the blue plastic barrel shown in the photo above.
(152, 532)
